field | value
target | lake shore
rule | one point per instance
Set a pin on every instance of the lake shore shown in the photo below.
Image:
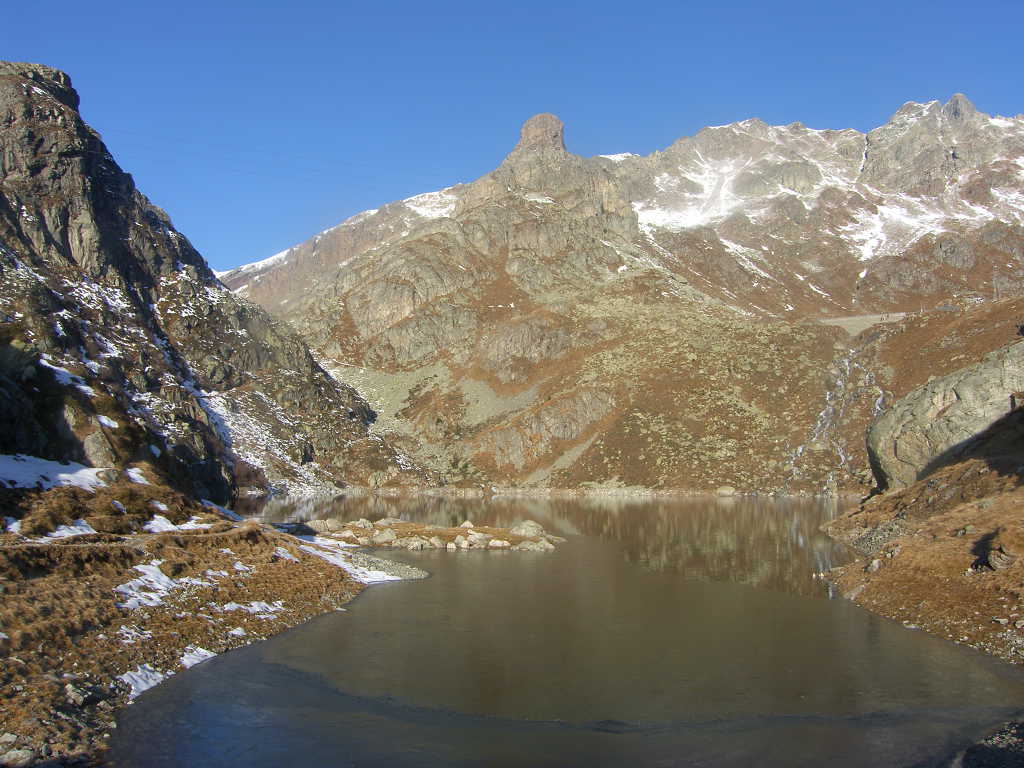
(98, 607)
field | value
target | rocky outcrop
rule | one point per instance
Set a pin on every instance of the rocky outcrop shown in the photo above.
(118, 344)
(934, 424)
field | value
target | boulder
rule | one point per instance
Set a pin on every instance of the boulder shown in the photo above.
(527, 528)
(384, 537)
(926, 428)
(498, 544)
(461, 542)
(466, 524)
(478, 539)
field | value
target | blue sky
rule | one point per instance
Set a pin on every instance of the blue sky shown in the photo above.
(256, 124)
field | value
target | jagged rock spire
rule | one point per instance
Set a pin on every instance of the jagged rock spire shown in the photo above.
(542, 132)
(958, 107)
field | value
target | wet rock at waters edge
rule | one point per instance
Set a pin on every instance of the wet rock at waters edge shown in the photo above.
(534, 546)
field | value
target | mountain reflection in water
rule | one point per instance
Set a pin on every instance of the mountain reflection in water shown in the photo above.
(768, 543)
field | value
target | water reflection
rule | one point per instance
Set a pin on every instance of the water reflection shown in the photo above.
(762, 542)
(583, 658)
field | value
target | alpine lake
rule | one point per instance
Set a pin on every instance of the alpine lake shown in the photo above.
(663, 632)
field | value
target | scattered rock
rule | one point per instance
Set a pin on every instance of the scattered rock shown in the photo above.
(498, 544)
(873, 566)
(466, 524)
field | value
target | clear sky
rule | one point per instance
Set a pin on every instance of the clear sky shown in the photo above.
(257, 124)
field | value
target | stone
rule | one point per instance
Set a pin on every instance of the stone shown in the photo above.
(461, 542)
(498, 544)
(388, 521)
(320, 526)
(363, 541)
(436, 542)
(108, 475)
(18, 758)
(466, 524)
(414, 543)
(362, 522)
(477, 540)
(98, 451)
(386, 536)
(999, 559)
(533, 546)
(725, 490)
(8, 738)
(935, 423)
(451, 546)
(873, 566)
(334, 524)
(527, 528)
(75, 696)
(348, 534)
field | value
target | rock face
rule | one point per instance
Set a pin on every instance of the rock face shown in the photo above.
(118, 343)
(927, 427)
(624, 321)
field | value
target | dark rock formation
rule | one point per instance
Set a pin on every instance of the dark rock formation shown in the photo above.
(118, 344)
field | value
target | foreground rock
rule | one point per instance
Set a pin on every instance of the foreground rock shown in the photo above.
(929, 426)
(943, 554)
(159, 584)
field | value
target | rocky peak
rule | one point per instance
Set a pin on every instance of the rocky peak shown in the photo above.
(541, 140)
(541, 133)
(958, 108)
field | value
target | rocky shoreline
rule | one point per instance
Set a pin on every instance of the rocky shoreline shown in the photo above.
(91, 618)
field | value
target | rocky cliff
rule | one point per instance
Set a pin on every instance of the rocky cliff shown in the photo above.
(118, 345)
(655, 321)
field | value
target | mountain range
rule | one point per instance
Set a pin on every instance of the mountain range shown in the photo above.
(687, 319)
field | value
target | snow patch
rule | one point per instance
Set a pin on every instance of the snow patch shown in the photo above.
(135, 475)
(142, 679)
(432, 205)
(21, 471)
(195, 654)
